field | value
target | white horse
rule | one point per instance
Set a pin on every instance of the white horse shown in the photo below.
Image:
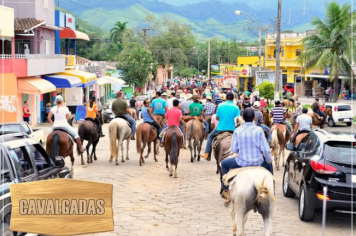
(119, 130)
(252, 188)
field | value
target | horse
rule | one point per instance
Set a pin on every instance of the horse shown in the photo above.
(87, 130)
(133, 113)
(280, 137)
(316, 121)
(145, 135)
(119, 130)
(252, 189)
(288, 104)
(195, 131)
(59, 143)
(173, 142)
(266, 117)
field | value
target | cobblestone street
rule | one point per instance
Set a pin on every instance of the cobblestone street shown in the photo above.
(149, 202)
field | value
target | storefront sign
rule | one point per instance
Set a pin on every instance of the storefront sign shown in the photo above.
(62, 207)
(241, 71)
(215, 69)
(70, 21)
(229, 81)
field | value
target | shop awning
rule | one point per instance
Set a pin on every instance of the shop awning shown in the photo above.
(64, 81)
(114, 80)
(86, 77)
(102, 81)
(33, 85)
(67, 33)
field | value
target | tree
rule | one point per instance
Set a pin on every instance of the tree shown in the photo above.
(266, 90)
(117, 31)
(136, 65)
(331, 45)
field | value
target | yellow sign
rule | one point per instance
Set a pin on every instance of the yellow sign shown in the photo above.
(62, 207)
(70, 60)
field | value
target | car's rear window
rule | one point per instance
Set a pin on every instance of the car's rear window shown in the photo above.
(344, 108)
(12, 128)
(340, 152)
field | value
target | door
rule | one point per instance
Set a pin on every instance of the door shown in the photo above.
(24, 166)
(42, 162)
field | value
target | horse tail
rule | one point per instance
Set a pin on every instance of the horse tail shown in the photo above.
(263, 192)
(192, 129)
(174, 149)
(113, 137)
(55, 146)
(139, 134)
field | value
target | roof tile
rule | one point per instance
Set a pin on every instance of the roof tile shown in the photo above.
(22, 24)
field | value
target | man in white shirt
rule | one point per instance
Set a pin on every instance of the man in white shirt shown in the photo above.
(298, 112)
(171, 99)
(304, 124)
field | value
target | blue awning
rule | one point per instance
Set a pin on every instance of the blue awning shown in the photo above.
(64, 81)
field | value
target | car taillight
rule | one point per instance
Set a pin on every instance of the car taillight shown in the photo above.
(322, 168)
(336, 108)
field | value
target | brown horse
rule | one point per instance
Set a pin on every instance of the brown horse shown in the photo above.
(173, 142)
(195, 131)
(145, 135)
(266, 117)
(288, 104)
(316, 121)
(280, 137)
(59, 143)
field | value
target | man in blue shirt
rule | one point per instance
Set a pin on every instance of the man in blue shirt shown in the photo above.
(250, 143)
(159, 105)
(226, 114)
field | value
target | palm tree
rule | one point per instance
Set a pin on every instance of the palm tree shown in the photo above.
(330, 46)
(117, 31)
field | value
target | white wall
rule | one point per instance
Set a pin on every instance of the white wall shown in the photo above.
(74, 96)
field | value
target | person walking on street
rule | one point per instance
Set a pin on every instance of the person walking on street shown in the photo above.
(61, 117)
(121, 110)
(304, 124)
(259, 120)
(26, 112)
(93, 113)
(226, 114)
(249, 142)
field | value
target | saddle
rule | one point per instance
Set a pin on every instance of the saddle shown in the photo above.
(317, 116)
(94, 123)
(220, 136)
(188, 118)
(152, 126)
(61, 129)
(124, 118)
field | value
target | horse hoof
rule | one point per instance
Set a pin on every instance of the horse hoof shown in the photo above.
(191, 160)
(170, 174)
(127, 158)
(140, 164)
(95, 159)
(122, 160)
(227, 204)
(175, 176)
(117, 163)
(82, 163)
(156, 160)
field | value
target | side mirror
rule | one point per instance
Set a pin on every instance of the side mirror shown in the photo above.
(59, 162)
(290, 147)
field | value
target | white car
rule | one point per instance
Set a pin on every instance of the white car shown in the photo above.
(23, 127)
(341, 113)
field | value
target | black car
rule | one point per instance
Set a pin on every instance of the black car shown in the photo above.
(322, 159)
(23, 160)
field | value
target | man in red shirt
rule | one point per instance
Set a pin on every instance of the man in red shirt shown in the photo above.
(26, 112)
(263, 104)
(174, 118)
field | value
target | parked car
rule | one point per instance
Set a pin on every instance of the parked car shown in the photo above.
(323, 159)
(23, 127)
(341, 113)
(108, 115)
(287, 88)
(23, 160)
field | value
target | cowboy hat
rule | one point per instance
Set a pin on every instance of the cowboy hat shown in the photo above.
(196, 97)
(208, 98)
(257, 104)
(164, 94)
(188, 96)
(223, 96)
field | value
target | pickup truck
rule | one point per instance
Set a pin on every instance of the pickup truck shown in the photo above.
(23, 127)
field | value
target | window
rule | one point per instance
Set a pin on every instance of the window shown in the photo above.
(12, 128)
(48, 47)
(21, 45)
(296, 71)
(26, 128)
(45, 3)
(5, 176)
(41, 159)
(25, 166)
(344, 108)
(298, 52)
(312, 144)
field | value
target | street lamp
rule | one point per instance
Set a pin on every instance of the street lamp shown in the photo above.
(238, 13)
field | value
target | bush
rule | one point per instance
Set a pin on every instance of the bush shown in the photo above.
(266, 90)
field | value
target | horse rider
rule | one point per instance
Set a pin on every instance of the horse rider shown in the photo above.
(209, 108)
(93, 113)
(185, 104)
(298, 112)
(133, 104)
(61, 117)
(159, 105)
(174, 118)
(278, 113)
(316, 109)
(259, 120)
(196, 110)
(289, 96)
(249, 142)
(146, 114)
(170, 99)
(121, 110)
(304, 124)
(226, 114)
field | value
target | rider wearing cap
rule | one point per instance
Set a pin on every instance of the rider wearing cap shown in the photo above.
(61, 117)
(226, 114)
(93, 113)
(196, 109)
(250, 143)
(121, 109)
(259, 120)
(278, 113)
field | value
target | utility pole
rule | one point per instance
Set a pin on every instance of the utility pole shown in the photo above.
(278, 49)
(144, 36)
(259, 49)
(208, 60)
